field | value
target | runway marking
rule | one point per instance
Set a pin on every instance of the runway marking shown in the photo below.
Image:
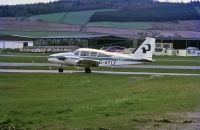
(97, 72)
(124, 66)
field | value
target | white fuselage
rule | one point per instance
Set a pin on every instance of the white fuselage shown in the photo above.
(102, 57)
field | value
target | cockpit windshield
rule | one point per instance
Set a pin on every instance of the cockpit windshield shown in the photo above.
(76, 53)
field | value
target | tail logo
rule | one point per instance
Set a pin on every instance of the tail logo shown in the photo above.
(144, 49)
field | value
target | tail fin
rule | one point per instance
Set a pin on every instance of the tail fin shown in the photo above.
(145, 50)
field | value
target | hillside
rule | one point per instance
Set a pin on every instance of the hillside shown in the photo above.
(69, 6)
(77, 17)
(159, 13)
(128, 18)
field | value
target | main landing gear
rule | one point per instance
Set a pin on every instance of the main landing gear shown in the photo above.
(87, 70)
(60, 70)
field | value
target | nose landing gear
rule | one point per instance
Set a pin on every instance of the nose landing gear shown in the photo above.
(60, 70)
(87, 70)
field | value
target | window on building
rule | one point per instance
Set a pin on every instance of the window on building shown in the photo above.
(25, 44)
(158, 45)
(166, 46)
(158, 50)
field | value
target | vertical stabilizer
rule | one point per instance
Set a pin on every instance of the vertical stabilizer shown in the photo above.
(145, 50)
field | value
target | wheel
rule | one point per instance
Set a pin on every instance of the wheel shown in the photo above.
(87, 70)
(60, 70)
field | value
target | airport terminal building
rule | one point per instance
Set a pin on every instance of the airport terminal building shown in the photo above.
(166, 44)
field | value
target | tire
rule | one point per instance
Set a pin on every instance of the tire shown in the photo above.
(87, 70)
(60, 70)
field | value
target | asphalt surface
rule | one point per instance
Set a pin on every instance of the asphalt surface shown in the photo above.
(27, 64)
(98, 72)
(159, 67)
(124, 66)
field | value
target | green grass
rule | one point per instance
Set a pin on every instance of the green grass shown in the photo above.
(39, 34)
(126, 25)
(26, 54)
(176, 60)
(80, 17)
(94, 101)
(76, 17)
(55, 17)
(160, 60)
(28, 59)
(197, 58)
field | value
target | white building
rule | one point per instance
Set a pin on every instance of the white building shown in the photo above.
(176, 46)
(14, 42)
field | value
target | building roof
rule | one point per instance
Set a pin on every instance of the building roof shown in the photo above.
(51, 47)
(77, 36)
(57, 35)
(15, 38)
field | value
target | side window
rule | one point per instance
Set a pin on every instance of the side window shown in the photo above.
(93, 54)
(102, 55)
(76, 53)
(84, 53)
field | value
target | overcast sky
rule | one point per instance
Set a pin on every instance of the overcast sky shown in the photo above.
(13, 2)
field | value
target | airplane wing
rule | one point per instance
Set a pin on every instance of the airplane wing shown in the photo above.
(87, 63)
(147, 60)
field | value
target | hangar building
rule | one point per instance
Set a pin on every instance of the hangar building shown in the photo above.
(14, 41)
(166, 44)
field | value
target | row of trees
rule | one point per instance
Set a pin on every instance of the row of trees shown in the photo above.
(157, 12)
(126, 10)
(65, 6)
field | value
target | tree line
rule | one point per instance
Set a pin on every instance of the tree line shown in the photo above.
(157, 12)
(126, 10)
(66, 6)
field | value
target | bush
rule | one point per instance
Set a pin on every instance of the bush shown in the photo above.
(8, 50)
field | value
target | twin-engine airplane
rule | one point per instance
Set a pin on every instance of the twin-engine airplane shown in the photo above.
(87, 58)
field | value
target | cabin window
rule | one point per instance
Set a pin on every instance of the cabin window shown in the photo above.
(76, 53)
(84, 53)
(93, 54)
(102, 55)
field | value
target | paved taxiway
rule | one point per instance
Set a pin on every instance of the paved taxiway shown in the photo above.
(124, 66)
(99, 72)
(27, 64)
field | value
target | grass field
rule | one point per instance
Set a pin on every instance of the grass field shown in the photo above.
(21, 59)
(160, 60)
(89, 102)
(76, 17)
(126, 25)
(55, 17)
